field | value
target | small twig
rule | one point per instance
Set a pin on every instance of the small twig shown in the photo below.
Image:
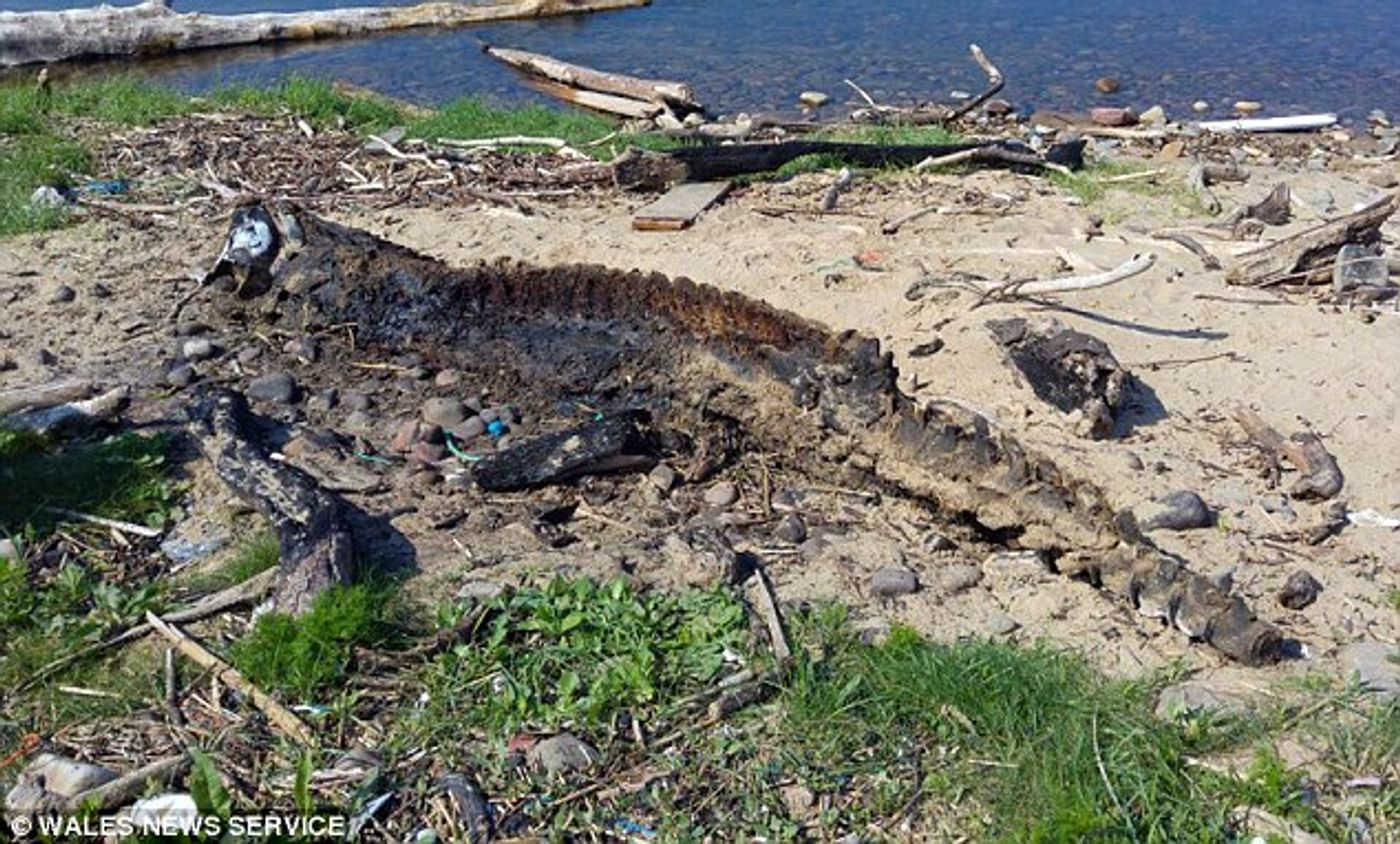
(128, 787)
(996, 81)
(833, 193)
(1208, 260)
(767, 606)
(863, 95)
(1103, 773)
(276, 712)
(172, 690)
(114, 524)
(893, 226)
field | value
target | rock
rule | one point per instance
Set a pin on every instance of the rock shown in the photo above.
(63, 295)
(47, 196)
(445, 412)
(1319, 201)
(1248, 106)
(324, 400)
(197, 348)
(101, 291)
(191, 328)
(1000, 624)
(274, 387)
(1153, 116)
(44, 357)
(563, 753)
(791, 529)
(427, 453)
(798, 799)
(1113, 116)
(1181, 510)
(997, 108)
(1107, 85)
(1200, 106)
(721, 495)
(356, 401)
(468, 429)
(1358, 267)
(663, 477)
(304, 349)
(359, 420)
(1172, 150)
(893, 582)
(1198, 696)
(448, 378)
(812, 99)
(1259, 825)
(181, 375)
(248, 354)
(7, 549)
(51, 775)
(1374, 665)
(1300, 591)
(404, 436)
(1383, 178)
(1233, 497)
(480, 591)
(1277, 504)
(959, 577)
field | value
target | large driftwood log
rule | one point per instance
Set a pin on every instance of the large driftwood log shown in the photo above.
(624, 107)
(651, 170)
(577, 76)
(154, 27)
(1307, 256)
(315, 546)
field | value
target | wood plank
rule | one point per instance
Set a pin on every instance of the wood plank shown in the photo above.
(679, 207)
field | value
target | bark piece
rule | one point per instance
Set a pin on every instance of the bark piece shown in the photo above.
(1307, 256)
(153, 27)
(1322, 477)
(611, 444)
(315, 546)
(1069, 369)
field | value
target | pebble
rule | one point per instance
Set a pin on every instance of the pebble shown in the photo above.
(359, 420)
(101, 291)
(468, 429)
(721, 495)
(1233, 497)
(1372, 663)
(190, 328)
(1153, 116)
(326, 399)
(303, 349)
(1113, 116)
(959, 577)
(893, 582)
(563, 753)
(181, 375)
(1200, 106)
(1181, 510)
(428, 453)
(248, 354)
(1300, 591)
(198, 348)
(448, 378)
(791, 528)
(1248, 106)
(1197, 696)
(63, 295)
(480, 590)
(663, 477)
(1107, 85)
(444, 411)
(44, 357)
(275, 387)
(798, 799)
(812, 99)
(1001, 624)
(1383, 178)
(997, 108)
(356, 401)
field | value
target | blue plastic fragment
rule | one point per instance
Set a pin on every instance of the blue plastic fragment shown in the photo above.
(497, 428)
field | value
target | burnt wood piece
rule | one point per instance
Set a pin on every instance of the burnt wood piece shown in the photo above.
(611, 444)
(1307, 257)
(1322, 477)
(1276, 209)
(1067, 368)
(315, 547)
(1163, 588)
(713, 163)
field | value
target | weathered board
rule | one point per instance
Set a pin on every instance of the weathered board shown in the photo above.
(679, 207)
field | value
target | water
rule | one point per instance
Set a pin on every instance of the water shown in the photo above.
(1293, 55)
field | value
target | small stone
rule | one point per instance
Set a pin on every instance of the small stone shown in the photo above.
(1107, 85)
(1171, 151)
(274, 387)
(249, 354)
(997, 108)
(1383, 178)
(663, 477)
(359, 420)
(812, 99)
(448, 378)
(356, 401)
(1248, 106)
(324, 400)
(1113, 116)
(1233, 497)
(721, 495)
(798, 799)
(101, 291)
(1153, 116)
(1358, 267)
(1300, 591)
(480, 591)
(427, 453)
(959, 577)
(46, 196)
(791, 529)
(1200, 106)
(444, 411)
(431, 434)
(1374, 665)
(304, 349)
(50, 776)
(191, 328)
(563, 753)
(404, 437)
(468, 429)
(1181, 510)
(893, 582)
(1197, 696)
(197, 348)
(181, 375)
(63, 295)
(1001, 624)
(44, 357)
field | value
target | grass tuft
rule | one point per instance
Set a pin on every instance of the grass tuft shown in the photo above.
(124, 477)
(314, 100)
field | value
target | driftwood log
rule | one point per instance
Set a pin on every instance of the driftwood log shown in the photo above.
(639, 169)
(577, 76)
(316, 550)
(70, 415)
(1307, 257)
(612, 444)
(1322, 477)
(1069, 369)
(153, 27)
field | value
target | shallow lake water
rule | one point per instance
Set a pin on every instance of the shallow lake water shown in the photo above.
(1292, 55)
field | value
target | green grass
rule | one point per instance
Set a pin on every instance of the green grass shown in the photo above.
(1091, 186)
(313, 100)
(255, 556)
(305, 657)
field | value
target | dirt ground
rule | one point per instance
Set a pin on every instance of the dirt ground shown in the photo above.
(1198, 345)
